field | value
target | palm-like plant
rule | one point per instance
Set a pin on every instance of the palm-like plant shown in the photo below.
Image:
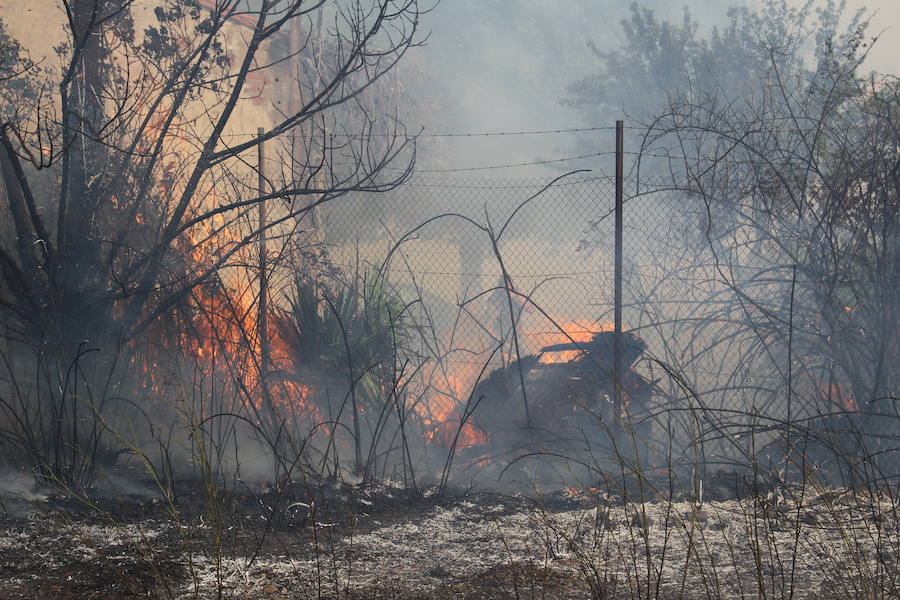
(343, 342)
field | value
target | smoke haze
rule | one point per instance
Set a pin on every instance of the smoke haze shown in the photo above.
(504, 66)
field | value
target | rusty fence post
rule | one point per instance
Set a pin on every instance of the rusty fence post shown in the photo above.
(617, 300)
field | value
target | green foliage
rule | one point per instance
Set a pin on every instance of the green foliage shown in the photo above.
(353, 332)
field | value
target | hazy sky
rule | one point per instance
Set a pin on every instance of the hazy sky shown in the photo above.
(503, 65)
(885, 57)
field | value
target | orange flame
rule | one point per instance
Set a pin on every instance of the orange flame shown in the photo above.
(840, 395)
(451, 383)
(442, 410)
(572, 331)
(228, 339)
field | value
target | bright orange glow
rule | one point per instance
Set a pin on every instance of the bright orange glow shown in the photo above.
(442, 408)
(446, 431)
(451, 383)
(227, 342)
(577, 331)
(574, 492)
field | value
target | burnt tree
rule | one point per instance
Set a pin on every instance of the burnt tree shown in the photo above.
(142, 131)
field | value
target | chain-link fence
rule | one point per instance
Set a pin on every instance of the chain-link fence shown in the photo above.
(737, 354)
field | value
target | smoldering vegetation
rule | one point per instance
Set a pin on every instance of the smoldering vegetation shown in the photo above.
(280, 361)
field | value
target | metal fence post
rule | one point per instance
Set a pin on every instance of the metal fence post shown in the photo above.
(617, 335)
(262, 321)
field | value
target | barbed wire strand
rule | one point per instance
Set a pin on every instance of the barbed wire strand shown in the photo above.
(470, 134)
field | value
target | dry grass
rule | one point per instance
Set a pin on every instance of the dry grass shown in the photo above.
(381, 543)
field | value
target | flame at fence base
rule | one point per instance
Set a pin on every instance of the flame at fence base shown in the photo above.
(223, 356)
(225, 348)
(449, 433)
(452, 384)
(839, 395)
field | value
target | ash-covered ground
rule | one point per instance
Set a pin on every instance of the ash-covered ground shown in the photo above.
(339, 541)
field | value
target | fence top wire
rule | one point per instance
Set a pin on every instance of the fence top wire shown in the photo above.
(649, 184)
(470, 134)
(512, 165)
(497, 183)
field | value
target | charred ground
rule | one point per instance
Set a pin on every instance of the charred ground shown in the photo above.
(327, 540)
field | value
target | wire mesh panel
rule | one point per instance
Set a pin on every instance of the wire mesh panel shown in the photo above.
(444, 247)
(490, 272)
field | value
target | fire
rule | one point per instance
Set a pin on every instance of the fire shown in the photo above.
(446, 432)
(838, 394)
(219, 323)
(443, 409)
(220, 330)
(451, 383)
(574, 492)
(227, 339)
(577, 331)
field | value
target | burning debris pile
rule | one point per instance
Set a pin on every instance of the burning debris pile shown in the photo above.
(562, 390)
